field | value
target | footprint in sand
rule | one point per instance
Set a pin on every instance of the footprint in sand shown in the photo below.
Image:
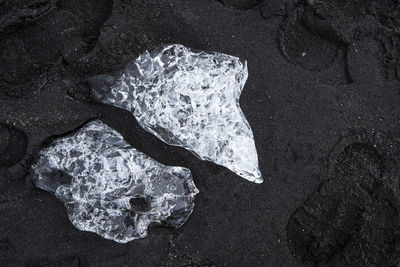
(302, 45)
(353, 217)
(13, 143)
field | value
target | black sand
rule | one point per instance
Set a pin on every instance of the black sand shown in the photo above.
(322, 99)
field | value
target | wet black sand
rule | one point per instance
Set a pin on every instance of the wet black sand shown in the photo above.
(322, 99)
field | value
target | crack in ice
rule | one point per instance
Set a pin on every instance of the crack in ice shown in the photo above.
(110, 188)
(190, 99)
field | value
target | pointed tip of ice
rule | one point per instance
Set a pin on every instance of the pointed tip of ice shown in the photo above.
(254, 176)
(259, 180)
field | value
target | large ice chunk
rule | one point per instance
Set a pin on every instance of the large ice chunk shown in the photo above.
(190, 99)
(110, 188)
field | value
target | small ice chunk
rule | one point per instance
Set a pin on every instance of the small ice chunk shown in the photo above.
(110, 188)
(190, 99)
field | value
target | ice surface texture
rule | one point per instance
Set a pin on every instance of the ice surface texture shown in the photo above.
(110, 188)
(190, 99)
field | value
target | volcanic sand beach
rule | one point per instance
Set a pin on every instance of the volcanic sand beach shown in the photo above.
(322, 99)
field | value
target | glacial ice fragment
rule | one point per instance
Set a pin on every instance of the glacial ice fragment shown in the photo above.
(190, 99)
(110, 188)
